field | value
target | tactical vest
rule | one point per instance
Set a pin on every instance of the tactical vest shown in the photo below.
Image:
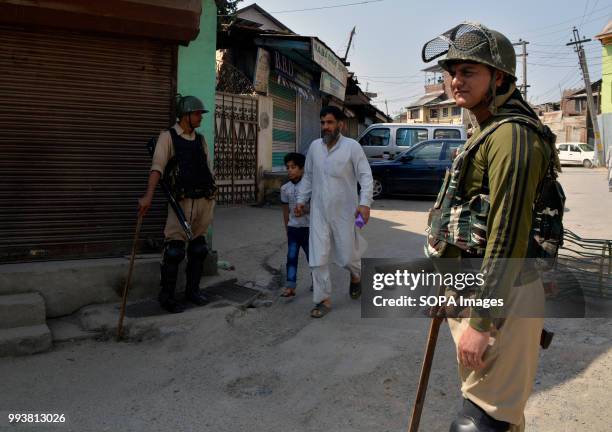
(460, 222)
(187, 171)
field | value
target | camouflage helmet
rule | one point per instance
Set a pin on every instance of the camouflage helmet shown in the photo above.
(188, 104)
(472, 42)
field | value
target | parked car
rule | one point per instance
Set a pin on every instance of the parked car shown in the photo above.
(417, 171)
(386, 140)
(574, 153)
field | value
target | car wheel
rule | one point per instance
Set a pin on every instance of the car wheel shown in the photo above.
(377, 187)
(587, 163)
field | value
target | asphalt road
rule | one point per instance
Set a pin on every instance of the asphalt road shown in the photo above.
(276, 369)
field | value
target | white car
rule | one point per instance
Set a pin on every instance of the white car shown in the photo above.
(574, 153)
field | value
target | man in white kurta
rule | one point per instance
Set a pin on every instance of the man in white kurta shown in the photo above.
(334, 166)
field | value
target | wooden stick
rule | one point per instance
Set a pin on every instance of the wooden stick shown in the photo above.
(432, 338)
(129, 278)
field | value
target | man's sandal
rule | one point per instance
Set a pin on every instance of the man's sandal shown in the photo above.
(320, 310)
(288, 293)
(355, 290)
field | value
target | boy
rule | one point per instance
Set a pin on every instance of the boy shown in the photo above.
(297, 227)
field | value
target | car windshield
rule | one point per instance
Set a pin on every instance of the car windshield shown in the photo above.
(412, 150)
(585, 147)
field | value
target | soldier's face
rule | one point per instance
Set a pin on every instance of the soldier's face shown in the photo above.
(470, 83)
(195, 117)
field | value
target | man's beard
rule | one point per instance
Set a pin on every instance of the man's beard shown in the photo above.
(329, 138)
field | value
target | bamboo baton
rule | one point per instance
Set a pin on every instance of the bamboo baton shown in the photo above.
(432, 338)
(129, 278)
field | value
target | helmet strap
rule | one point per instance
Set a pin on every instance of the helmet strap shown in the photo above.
(493, 93)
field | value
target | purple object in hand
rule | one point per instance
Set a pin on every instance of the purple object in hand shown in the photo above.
(359, 222)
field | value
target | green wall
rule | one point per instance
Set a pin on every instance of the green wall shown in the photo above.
(196, 75)
(196, 69)
(606, 82)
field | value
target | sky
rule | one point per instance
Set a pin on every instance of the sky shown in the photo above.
(386, 50)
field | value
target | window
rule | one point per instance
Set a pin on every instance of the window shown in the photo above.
(429, 151)
(575, 148)
(447, 134)
(407, 137)
(444, 112)
(433, 113)
(579, 105)
(414, 113)
(585, 147)
(455, 111)
(563, 147)
(452, 149)
(376, 137)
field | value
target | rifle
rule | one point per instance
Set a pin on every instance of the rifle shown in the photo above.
(173, 203)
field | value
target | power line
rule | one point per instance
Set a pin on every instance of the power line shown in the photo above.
(558, 65)
(329, 7)
(586, 6)
(567, 77)
(569, 20)
(315, 8)
(566, 29)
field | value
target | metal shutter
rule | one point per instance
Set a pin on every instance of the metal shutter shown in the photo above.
(75, 113)
(284, 122)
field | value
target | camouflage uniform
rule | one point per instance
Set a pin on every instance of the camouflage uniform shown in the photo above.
(485, 209)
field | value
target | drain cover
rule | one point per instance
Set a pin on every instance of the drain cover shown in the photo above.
(227, 290)
(233, 292)
(143, 309)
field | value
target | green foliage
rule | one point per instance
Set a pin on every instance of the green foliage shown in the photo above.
(226, 9)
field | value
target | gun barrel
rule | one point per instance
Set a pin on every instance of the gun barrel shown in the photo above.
(171, 200)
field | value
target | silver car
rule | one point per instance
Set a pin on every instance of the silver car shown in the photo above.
(386, 140)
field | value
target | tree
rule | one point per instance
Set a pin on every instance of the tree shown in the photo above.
(226, 12)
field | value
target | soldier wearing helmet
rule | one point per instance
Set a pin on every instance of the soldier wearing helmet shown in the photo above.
(484, 210)
(181, 156)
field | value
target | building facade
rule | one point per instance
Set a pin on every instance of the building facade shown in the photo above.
(437, 104)
(84, 85)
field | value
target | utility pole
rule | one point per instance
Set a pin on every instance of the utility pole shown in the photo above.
(349, 45)
(577, 43)
(524, 56)
(387, 106)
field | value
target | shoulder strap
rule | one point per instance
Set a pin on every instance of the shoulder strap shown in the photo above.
(515, 118)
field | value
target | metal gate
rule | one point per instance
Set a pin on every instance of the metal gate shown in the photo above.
(236, 148)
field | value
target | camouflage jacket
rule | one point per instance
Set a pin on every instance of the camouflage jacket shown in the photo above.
(485, 205)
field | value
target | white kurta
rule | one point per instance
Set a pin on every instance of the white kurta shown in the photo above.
(330, 181)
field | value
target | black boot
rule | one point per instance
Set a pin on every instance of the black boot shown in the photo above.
(472, 418)
(174, 253)
(196, 254)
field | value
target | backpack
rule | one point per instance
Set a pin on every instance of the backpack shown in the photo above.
(547, 225)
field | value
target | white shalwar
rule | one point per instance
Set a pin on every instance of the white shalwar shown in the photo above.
(330, 182)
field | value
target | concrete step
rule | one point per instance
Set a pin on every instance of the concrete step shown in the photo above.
(24, 340)
(21, 310)
(67, 329)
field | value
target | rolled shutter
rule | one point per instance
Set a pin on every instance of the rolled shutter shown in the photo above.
(75, 113)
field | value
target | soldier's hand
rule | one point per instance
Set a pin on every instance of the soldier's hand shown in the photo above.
(144, 204)
(299, 209)
(471, 348)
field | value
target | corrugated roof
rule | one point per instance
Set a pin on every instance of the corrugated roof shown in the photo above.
(606, 31)
(426, 98)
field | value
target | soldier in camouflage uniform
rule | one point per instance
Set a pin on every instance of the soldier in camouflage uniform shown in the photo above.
(485, 210)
